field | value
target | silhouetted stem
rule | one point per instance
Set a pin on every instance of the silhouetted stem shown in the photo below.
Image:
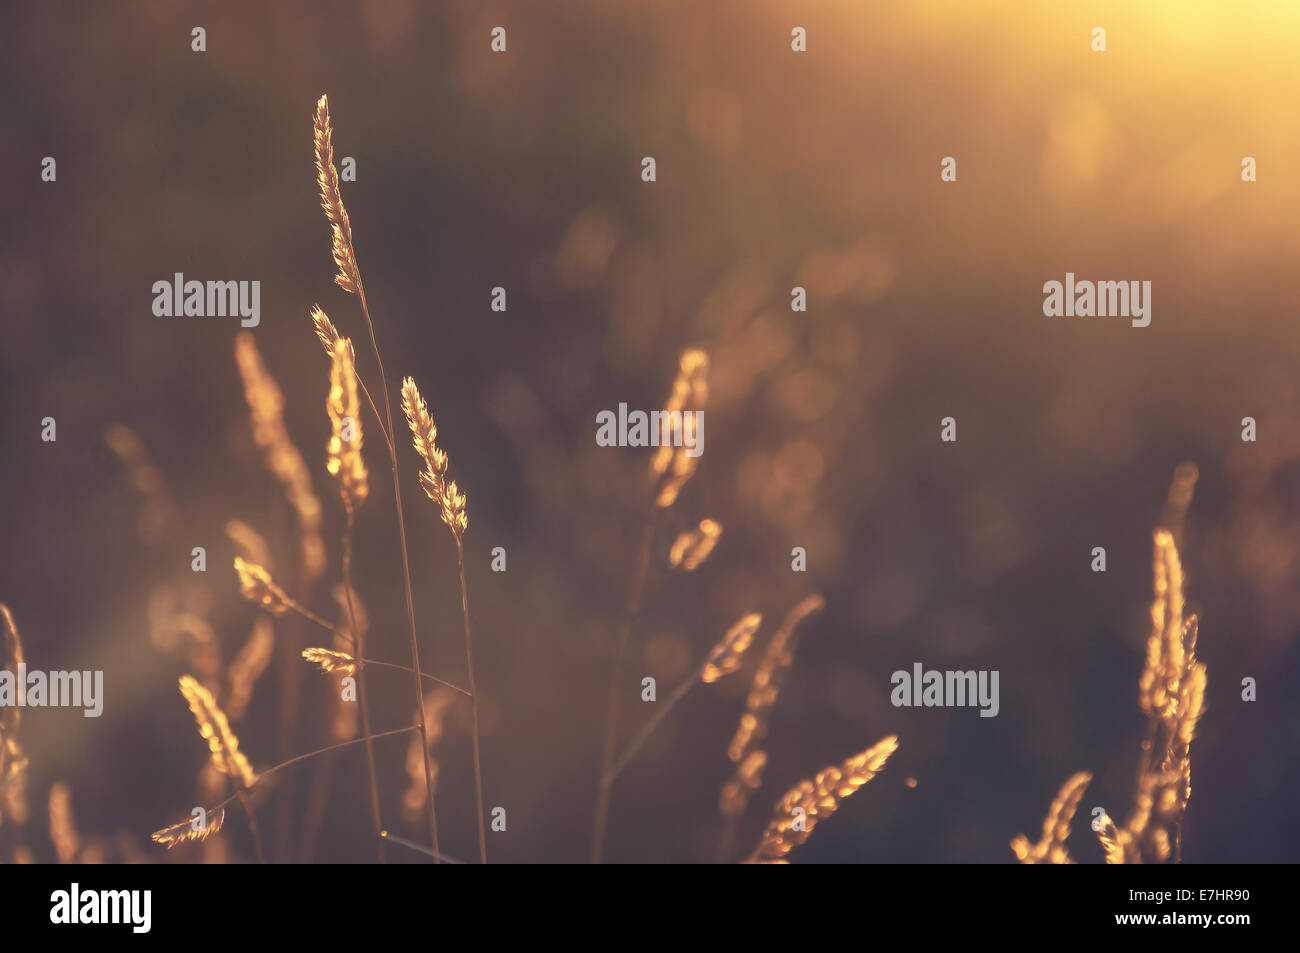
(616, 677)
(406, 571)
(469, 662)
(376, 822)
(303, 757)
(385, 835)
(648, 729)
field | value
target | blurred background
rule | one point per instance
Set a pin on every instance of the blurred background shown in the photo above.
(775, 169)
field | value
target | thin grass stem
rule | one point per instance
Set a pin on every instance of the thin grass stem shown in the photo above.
(616, 677)
(473, 688)
(375, 819)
